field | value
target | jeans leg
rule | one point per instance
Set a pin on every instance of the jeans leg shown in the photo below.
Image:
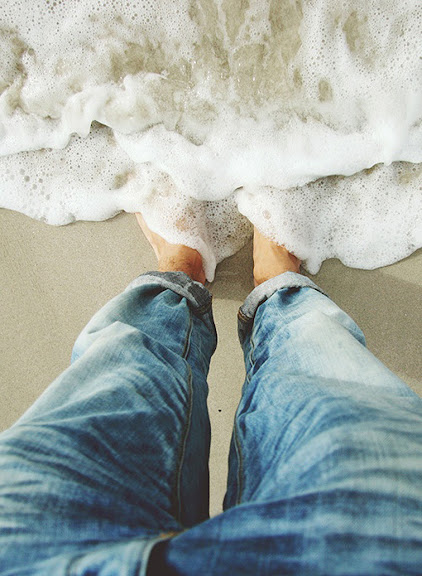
(327, 437)
(115, 452)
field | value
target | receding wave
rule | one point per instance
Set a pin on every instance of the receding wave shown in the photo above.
(301, 117)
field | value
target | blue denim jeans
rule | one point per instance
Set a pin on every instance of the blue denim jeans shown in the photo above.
(107, 473)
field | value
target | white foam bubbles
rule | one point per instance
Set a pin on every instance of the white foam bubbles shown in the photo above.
(188, 110)
(367, 220)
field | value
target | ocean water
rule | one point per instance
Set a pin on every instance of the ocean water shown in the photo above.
(303, 118)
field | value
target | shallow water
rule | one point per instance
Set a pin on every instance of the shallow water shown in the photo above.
(303, 117)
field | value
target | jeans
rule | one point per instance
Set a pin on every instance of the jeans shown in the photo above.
(107, 473)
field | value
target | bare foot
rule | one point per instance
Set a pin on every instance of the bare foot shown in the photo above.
(174, 257)
(270, 259)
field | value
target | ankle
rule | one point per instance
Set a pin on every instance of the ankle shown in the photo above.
(264, 271)
(183, 259)
(270, 259)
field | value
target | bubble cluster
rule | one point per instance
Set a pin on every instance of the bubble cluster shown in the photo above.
(200, 113)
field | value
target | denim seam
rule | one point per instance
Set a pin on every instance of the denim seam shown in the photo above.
(185, 432)
(187, 339)
(242, 316)
(251, 354)
(204, 308)
(240, 457)
(239, 465)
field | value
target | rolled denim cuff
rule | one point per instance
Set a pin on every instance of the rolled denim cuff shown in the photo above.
(198, 297)
(264, 291)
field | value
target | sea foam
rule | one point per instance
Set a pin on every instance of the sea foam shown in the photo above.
(302, 118)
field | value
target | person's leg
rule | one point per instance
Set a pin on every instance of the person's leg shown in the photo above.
(326, 436)
(114, 454)
(326, 461)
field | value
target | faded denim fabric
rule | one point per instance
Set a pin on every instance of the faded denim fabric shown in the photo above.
(114, 455)
(108, 472)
